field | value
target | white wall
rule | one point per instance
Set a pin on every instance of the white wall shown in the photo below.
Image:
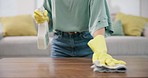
(39, 3)
(25, 6)
(144, 8)
(126, 6)
(16, 7)
(8, 7)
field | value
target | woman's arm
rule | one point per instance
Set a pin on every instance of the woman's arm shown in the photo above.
(99, 32)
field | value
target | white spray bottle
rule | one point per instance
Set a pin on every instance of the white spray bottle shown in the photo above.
(43, 34)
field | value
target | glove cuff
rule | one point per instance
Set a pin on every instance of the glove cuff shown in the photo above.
(98, 44)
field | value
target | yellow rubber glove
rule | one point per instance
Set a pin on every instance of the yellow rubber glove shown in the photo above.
(41, 17)
(100, 56)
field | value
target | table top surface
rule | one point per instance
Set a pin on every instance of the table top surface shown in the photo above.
(67, 68)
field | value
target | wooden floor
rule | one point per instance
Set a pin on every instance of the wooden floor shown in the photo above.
(67, 68)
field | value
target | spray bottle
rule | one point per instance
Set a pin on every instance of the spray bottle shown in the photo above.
(43, 34)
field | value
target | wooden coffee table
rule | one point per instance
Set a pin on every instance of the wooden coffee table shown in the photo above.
(67, 68)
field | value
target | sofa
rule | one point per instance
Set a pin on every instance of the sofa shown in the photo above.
(26, 46)
(18, 37)
(127, 45)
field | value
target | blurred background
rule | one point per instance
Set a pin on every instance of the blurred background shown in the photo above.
(18, 30)
(14, 7)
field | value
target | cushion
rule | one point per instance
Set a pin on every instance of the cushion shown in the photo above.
(21, 25)
(132, 25)
(117, 28)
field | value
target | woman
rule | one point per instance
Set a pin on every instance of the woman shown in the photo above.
(77, 23)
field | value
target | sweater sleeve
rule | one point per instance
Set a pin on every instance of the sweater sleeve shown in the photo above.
(48, 7)
(99, 17)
